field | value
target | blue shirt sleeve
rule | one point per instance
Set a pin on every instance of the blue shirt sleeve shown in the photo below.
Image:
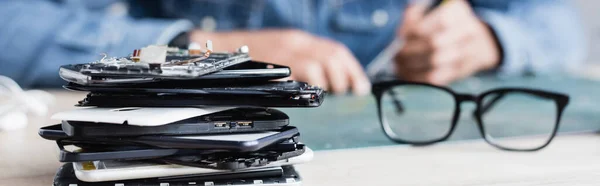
(38, 36)
(536, 36)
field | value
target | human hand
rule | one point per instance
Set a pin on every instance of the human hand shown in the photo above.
(447, 44)
(317, 61)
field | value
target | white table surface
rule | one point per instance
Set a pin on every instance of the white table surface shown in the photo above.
(572, 159)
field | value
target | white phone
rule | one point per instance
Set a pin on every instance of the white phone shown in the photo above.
(140, 116)
(98, 171)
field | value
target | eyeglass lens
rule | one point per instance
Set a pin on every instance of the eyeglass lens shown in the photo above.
(416, 113)
(510, 116)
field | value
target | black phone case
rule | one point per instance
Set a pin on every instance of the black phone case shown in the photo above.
(179, 100)
(265, 94)
(183, 87)
(229, 121)
(239, 146)
(140, 154)
(171, 142)
(65, 176)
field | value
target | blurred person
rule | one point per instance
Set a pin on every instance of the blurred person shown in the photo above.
(325, 42)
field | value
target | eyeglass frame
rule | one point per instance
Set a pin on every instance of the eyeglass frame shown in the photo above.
(561, 101)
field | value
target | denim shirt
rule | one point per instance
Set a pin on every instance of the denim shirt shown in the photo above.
(38, 36)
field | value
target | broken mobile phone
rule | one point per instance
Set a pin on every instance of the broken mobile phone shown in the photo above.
(213, 159)
(235, 120)
(156, 62)
(68, 175)
(237, 142)
(247, 71)
(162, 94)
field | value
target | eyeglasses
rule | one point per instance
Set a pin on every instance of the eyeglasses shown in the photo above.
(421, 114)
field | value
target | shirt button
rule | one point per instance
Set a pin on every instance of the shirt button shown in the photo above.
(208, 24)
(379, 18)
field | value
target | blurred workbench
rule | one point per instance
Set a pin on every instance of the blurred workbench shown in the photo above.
(352, 149)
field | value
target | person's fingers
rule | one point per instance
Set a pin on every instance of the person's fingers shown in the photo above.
(414, 12)
(311, 72)
(411, 61)
(412, 15)
(442, 76)
(426, 46)
(336, 75)
(461, 66)
(413, 53)
(416, 46)
(361, 86)
(434, 22)
(437, 50)
(340, 63)
(470, 64)
(424, 61)
(451, 67)
(450, 36)
(449, 53)
(438, 76)
(356, 75)
(326, 55)
(444, 58)
(447, 15)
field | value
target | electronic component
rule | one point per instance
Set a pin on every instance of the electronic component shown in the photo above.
(209, 48)
(162, 62)
(247, 71)
(244, 49)
(153, 54)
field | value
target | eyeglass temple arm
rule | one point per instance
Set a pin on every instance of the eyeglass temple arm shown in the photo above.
(488, 105)
(397, 103)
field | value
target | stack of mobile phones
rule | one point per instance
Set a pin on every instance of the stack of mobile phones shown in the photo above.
(193, 118)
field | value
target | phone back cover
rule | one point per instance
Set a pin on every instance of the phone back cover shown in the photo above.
(141, 116)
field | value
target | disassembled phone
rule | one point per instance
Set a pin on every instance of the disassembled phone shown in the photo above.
(217, 159)
(227, 121)
(265, 94)
(235, 161)
(111, 170)
(246, 71)
(157, 62)
(286, 176)
(237, 142)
